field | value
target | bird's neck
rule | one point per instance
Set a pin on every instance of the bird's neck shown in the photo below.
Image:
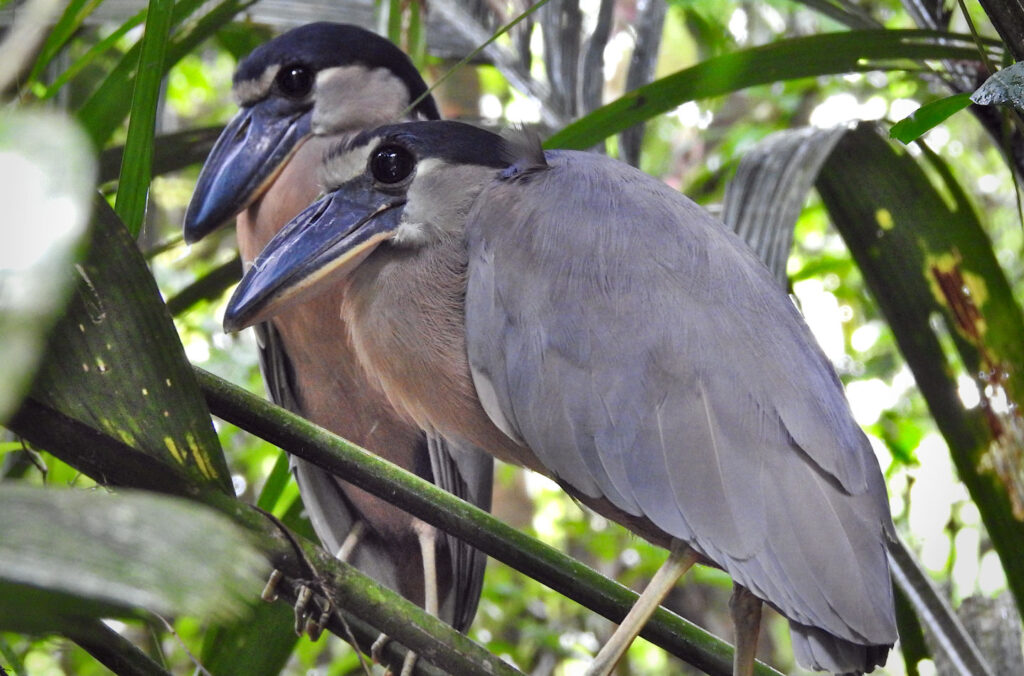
(405, 310)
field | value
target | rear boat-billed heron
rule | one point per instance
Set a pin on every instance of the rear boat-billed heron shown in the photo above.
(299, 94)
(571, 314)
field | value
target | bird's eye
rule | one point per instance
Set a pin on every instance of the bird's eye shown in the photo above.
(295, 81)
(391, 164)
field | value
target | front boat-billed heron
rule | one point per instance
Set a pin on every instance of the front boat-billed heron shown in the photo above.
(571, 314)
(299, 93)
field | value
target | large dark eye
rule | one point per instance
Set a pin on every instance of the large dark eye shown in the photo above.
(391, 164)
(295, 81)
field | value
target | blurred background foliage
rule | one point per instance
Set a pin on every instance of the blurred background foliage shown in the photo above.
(85, 63)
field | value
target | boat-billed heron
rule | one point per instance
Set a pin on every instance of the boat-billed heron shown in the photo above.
(569, 313)
(299, 94)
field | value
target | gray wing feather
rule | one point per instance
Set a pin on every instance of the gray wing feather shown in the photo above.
(466, 473)
(274, 367)
(646, 356)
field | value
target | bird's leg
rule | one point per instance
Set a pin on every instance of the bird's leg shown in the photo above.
(427, 536)
(315, 627)
(344, 552)
(746, 618)
(351, 540)
(680, 560)
(304, 621)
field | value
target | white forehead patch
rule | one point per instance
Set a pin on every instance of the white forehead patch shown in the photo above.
(250, 91)
(356, 97)
(342, 168)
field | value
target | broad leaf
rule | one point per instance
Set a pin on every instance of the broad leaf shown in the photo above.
(766, 195)
(924, 258)
(67, 554)
(115, 364)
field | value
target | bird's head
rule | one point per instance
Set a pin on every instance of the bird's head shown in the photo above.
(406, 185)
(321, 78)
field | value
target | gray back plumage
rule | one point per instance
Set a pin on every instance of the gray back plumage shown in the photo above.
(645, 355)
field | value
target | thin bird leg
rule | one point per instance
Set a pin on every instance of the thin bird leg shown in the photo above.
(427, 536)
(355, 534)
(746, 618)
(680, 560)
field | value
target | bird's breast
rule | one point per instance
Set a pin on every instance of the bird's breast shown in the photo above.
(405, 311)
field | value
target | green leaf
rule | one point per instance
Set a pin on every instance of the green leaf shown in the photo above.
(115, 364)
(275, 484)
(928, 116)
(927, 257)
(67, 554)
(94, 53)
(74, 14)
(48, 172)
(417, 35)
(394, 9)
(136, 165)
(103, 112)
(261, 643)
(791, 59)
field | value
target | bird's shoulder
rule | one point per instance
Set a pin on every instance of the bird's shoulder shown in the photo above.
(599, 265)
